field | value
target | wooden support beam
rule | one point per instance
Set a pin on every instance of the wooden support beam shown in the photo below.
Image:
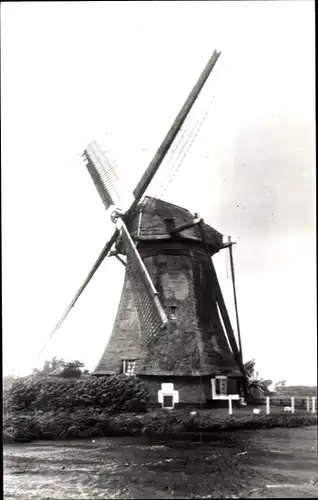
(227, 321)
(115, 253)
(180, 228)
(235, 297)
(118, 257)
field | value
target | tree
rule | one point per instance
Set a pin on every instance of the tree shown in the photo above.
(300, 391)
(249, 367)
(49, 367)
(257, 387)
(72, 369)
(61, 368)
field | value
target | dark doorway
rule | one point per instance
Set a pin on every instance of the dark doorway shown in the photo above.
(168, 401)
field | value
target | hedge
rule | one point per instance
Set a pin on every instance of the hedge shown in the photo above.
(114, 394)
(22, 427)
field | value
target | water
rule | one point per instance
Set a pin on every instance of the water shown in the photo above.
(264, 463)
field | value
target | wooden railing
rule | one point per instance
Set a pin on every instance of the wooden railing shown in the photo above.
(291, 403)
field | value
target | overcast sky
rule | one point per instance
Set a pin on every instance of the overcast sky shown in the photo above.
(119, 73)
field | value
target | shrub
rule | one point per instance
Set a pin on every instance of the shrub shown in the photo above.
(116, 393)
(92, 422)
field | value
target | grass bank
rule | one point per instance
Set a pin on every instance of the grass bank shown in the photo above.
(89, 423)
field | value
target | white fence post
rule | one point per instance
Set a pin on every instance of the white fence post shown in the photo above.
(230, 406)
(307, 403)
(314, 404)
(293, 404)
(268, 410)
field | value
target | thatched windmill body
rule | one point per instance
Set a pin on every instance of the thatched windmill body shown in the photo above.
(172, 328)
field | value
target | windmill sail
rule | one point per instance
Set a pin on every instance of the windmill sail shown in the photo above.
(151, 313)
(173, 131)
(103, 173)
(90, 275)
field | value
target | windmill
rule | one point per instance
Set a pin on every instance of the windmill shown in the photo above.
(172, 327)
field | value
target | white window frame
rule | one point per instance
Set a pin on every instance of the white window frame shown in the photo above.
(221, 396)
(125, 365)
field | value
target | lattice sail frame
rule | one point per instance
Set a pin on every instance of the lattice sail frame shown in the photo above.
(152, 316)
(103, 173)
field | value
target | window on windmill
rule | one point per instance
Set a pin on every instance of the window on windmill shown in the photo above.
(221, 386)
(129, 367)
(173, 312)
(169, 223)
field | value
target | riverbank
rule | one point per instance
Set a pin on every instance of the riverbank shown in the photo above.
(90, 423)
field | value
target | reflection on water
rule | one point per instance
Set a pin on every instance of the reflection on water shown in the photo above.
(231, 465)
